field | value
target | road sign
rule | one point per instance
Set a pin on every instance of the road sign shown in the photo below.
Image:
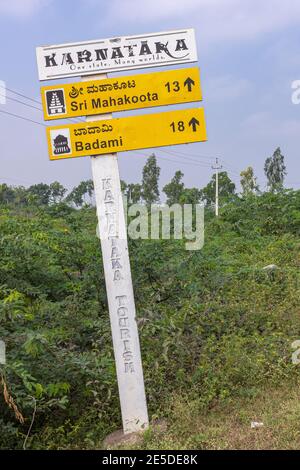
(129, 133)
(121, 94)
(101, 137)
(116, 54)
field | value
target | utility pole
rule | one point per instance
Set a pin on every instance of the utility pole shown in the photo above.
(217, 167)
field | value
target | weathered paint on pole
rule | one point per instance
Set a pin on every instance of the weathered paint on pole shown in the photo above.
(113, 236)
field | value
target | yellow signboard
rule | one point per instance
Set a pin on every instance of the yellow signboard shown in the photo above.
(129, 133)
(121, 93)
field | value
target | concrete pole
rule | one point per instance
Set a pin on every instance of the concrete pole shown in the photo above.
(217, 167)
(217, 192)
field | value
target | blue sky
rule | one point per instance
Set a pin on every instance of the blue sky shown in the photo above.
(249, 55)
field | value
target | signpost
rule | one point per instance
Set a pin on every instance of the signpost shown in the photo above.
(101, 137)
(116, 54)
(121, 94)
(129, 133)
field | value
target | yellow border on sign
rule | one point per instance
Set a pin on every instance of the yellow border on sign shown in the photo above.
(128, 133)
(87, 98)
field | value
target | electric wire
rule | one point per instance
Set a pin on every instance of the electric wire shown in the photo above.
(22, 117)
(193, 159)
(75, 120)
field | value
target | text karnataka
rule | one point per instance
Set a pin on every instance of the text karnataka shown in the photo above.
(143, 49)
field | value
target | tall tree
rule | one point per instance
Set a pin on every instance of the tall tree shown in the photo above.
(134, 193)
(190, 196)
(21, 197)
(7, 193)
(151, 172)
(40, 193)
(174, 189)
(226, 189)
(123, 186)
(275, 170)
(248, 181)
(57, 192)
(79, 193)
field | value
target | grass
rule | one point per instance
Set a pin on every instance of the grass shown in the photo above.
(228, 426)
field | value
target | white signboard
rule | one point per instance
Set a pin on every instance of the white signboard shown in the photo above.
(116, 54)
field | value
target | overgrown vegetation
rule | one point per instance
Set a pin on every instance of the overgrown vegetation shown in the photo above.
(216, 328)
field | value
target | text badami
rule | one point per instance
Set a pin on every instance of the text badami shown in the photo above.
(98, 144)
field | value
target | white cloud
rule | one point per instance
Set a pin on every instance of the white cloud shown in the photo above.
(21, 8)
(215, 20)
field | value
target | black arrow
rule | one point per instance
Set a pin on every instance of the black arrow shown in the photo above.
(188, 83)
(194, 123)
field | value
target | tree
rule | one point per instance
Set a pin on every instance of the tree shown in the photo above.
(248, 182)
(123, 186)
(190, 196)
(134, 193)
(57, 192)
(174, 189)
(21, 197)
(151, 172)
(40, 193)
(275, 170)
(226, 189)
(6, 194)
(77, 195)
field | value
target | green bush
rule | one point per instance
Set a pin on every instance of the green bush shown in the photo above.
(213, 324)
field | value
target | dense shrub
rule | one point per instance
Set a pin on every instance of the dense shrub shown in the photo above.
(213, 324)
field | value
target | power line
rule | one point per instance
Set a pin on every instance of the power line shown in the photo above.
(228, 170)
(23, 96)
(193, 162)
(231, 167)
(201, 164)
(187, 157)
(191, 155)
(75, 120)
(198, 162)
(184, 162)
(22, 117)
(21, 102)
(28, 119)
(178, 154)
